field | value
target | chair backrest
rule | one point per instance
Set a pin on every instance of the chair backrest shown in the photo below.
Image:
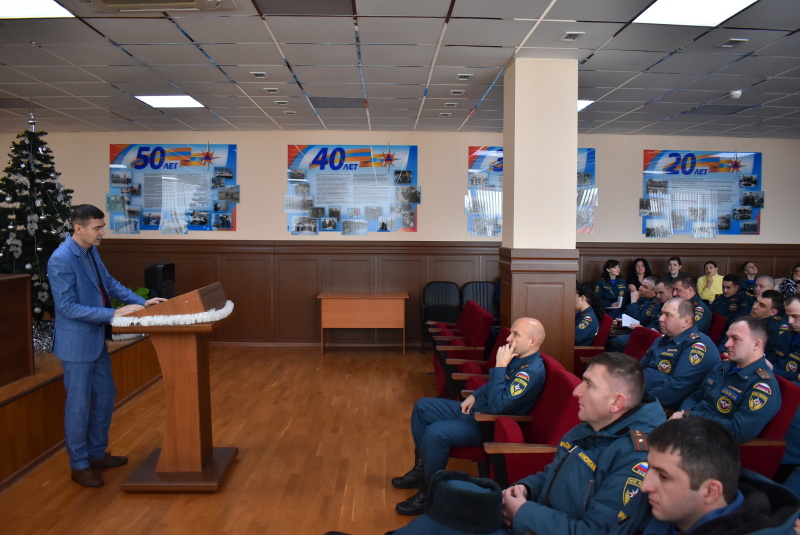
(476, 331)
(604, 330)
(640, 341)
(482, 292)
(717, 327)
(765, 459)
(441, 301)
(556, 410)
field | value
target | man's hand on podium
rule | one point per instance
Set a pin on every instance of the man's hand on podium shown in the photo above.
(154, 301)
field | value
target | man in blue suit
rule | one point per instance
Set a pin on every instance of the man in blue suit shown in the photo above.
(82, 290)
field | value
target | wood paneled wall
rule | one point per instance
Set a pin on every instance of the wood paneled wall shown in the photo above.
(274, 284)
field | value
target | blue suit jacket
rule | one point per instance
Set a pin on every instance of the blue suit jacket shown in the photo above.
(80, 314)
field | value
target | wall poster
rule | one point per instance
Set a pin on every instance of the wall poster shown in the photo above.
(701, 193)
(352, 189)
(483, 203)
(172, 188)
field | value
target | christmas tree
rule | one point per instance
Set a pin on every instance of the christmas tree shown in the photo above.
(34, 214)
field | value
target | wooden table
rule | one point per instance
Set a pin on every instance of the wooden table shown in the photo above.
(352, 310)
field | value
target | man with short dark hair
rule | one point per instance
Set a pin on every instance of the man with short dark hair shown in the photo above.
(684, 287)
(741, 393)
(645, 308)
(733, 301)
(595, 476)
(82, 291)
(694, 485)
(767, 308)
(678, 361)
(437, 424)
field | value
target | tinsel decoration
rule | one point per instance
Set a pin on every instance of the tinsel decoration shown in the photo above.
(43, 336)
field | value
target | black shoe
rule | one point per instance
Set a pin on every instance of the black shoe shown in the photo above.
(413, 506)
(414, 477)
(87, 478)
(108, 461)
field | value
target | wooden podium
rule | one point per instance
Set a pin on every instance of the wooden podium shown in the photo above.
(186, 462)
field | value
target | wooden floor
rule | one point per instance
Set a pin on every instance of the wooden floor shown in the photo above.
(319, 438)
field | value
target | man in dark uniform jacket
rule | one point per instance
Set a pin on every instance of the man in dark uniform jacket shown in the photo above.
(678, 361)
(437, 424)
(733, 301)
(645, 308)
(685, 288)
(741, 393)
(767, 308)
(748, 283)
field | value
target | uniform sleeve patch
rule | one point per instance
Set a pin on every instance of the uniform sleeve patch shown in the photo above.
(724, 404)
(518, 386)
(697, 353)
(632, 487)
(757, 401)
(763, 387)
(783, 329)
(641, 469)
(665, 366)
(524, 375)
(698, 313)
(585, 322)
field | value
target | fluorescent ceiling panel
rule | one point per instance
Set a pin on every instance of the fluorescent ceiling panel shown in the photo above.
(691, 12)
(170, 101)
(33, 9)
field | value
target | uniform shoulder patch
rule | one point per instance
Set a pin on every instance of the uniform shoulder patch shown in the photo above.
(764, 374)
(518, 386)
(763, 387)
(639, 440)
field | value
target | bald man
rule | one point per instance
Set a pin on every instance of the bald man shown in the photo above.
(437, 424)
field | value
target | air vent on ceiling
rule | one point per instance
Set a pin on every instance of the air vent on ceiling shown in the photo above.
(457, 92)
(259, 75)
(289, 112)
(158, 5)
(730, 43)
(463, 76)
(282, 102)
(572, 36)
(450, 104)
(271, 90)
(445, 114)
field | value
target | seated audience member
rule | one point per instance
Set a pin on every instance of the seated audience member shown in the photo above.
(709, 285)
(748, 282)
(588, 312)
(788, 365)
(762, 284)
(597, 471)
(437, 424)
(611, 290)
(645, 308)
(637, 273)
(733, 301)
(684, 287)
(789, 285)
(767, 308)
(695, 485)
(674, 272)
(741, 393)
(678, 361)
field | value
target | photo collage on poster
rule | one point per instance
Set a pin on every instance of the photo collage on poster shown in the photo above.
(483, 203)
(172, 188)
(702, 193)
(351, 189)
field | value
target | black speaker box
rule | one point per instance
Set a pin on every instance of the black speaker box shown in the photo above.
(160, 280)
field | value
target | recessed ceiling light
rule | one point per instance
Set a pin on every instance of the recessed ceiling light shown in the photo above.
(463, 76)
(456, 92)
(583, 103)
(170, 101)
(691, 12)
(33, 9)
(259, 75)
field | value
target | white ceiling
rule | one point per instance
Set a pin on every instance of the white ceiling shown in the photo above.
(391, 65)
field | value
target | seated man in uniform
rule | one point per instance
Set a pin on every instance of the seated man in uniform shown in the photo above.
(748, 283)
(733, 301)
(767, 308)
(684, 287)
(742, 393)
(762, 284)
(645, 308)
(695, 485)
(678, 361)
(592, 483)
(437, 424)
